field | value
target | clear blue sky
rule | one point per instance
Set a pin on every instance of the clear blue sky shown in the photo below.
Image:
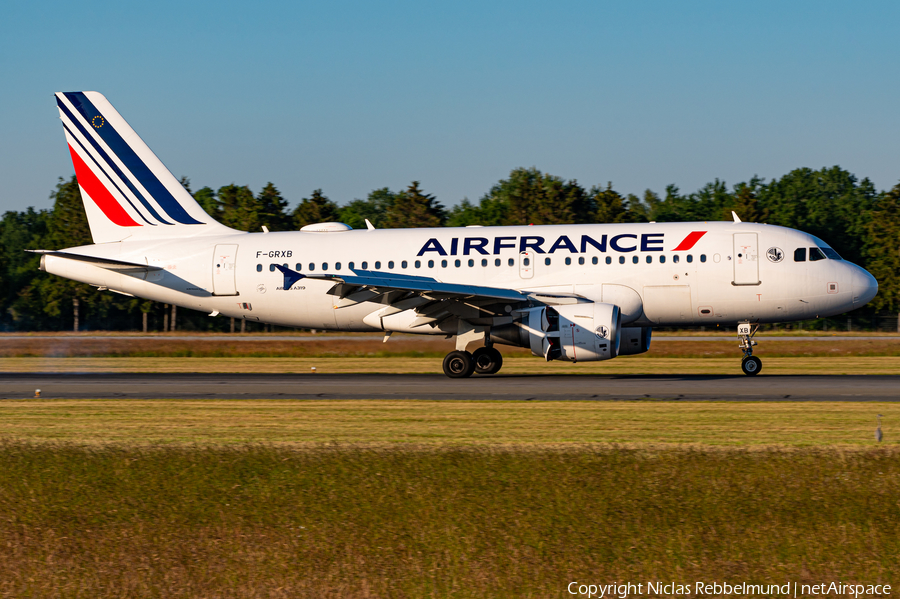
(349, 96)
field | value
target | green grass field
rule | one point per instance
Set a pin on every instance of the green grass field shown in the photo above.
(287, 498)
(342, 521)
(384, 423)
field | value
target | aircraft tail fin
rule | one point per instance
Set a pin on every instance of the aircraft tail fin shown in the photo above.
(127, 192)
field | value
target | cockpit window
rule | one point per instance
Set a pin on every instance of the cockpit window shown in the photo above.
(800, 255)
(815, 254)
(830, 253)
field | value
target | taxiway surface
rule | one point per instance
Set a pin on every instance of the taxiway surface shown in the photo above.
(438, 387)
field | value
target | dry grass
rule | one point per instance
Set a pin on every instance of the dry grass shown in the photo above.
(223, 346)
(447, 423)
(643, 364)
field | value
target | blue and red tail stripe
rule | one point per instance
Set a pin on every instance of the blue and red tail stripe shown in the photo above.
(99, 194)
(128, 157)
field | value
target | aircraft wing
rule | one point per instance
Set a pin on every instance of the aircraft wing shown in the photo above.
(394, 289)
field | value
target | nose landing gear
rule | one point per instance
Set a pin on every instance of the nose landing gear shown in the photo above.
(750, 364)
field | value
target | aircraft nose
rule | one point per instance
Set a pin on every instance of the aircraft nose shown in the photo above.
(864, 286)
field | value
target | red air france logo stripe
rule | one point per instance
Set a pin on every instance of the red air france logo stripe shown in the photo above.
(98, 192)
(689, 241)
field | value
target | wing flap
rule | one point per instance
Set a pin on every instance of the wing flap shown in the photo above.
(381, 283)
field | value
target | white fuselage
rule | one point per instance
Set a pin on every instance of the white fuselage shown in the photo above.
(731, 273)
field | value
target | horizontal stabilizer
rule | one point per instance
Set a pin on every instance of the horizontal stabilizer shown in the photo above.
(107, 263)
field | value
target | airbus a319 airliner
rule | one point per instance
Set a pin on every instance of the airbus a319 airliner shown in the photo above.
(578, 293)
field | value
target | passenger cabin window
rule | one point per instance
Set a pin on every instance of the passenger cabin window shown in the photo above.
(621, 259)
(815, 254)
(312, 266)
(457, 263)
(390, 265)
(702, 257)
(324, 266)
(484, 261)
(497, 262)
(365, 266)
(350, 265)
(337, 265)
(800, 255)
(527, 261)
(298, 266)
(512, 262)
(675, 258)
(418, 264)
(594, 260)
(609, 260)
(649, 259)
(431, 264)
(472, 262)
(662, 259)
(378, 265)
(404, 264)
(690, 258)
(634, 259)
(443, 264)
(568, 261)
(580, 260)
(259, 268)
(547, 261)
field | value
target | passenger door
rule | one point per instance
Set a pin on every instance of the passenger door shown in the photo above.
(746, 259)
(224, 261)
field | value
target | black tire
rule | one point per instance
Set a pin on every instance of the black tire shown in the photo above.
(459, 364)
(751, 365)
(487, 360)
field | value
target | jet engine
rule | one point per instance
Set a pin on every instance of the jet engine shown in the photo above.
(582, 332)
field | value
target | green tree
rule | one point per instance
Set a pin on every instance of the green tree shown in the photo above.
(207, 199)
(272, 209)
(488, 212)
(882, 250)
(829, 203)
(532, 197)
(240, 209)
(315, 209)
(746, 203)
(374, 208)
(610, 206)
(414, 208)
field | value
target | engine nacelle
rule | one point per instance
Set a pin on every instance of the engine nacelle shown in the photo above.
(587, 332)
(634, 340)
(575, 332)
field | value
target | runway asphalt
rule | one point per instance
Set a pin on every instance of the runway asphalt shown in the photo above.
(439, 387)
(338, 337)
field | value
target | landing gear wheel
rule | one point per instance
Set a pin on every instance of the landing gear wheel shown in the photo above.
(751, 365)
(487, 360)
(459, 364)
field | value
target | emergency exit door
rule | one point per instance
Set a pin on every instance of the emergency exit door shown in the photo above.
(224, 260)
(746, 259)
(526, 264)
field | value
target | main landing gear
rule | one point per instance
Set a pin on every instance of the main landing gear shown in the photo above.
(462, 364)
(750, 364)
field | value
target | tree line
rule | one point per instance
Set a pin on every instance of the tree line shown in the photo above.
(860, 222)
